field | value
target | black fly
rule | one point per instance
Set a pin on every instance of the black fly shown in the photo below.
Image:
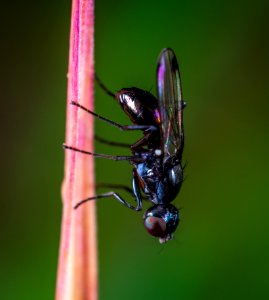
(157, 156)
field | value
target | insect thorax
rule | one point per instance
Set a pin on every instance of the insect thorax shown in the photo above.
(160, 183)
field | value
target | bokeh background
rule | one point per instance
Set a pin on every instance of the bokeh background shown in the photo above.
(221, 249)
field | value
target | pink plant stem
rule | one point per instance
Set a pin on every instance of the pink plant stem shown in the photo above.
(77, 267)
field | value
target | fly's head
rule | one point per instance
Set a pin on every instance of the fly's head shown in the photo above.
(161, 221)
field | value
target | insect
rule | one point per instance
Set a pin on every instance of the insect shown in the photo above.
(157, 156)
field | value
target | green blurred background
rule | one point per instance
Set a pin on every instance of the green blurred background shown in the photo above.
(221, 249)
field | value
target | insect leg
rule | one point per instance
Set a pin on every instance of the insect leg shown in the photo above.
(104, 141)
(106, 195)
(96, 115)
(117, 158)
(121, 127)
(112, 157)
(103, 87)
(143, 141)
(136, 190)
(118, 186)
(115, 186)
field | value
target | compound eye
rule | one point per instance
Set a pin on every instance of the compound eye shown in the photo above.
(155, 226)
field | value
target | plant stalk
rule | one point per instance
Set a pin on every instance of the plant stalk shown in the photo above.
(77, 266)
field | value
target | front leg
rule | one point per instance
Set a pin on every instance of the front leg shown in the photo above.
(106, 195)
(136, 192)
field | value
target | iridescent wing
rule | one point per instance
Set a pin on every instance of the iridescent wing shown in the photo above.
(169, 95)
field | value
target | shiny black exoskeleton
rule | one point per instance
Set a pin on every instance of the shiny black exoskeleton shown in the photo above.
(157, 156)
